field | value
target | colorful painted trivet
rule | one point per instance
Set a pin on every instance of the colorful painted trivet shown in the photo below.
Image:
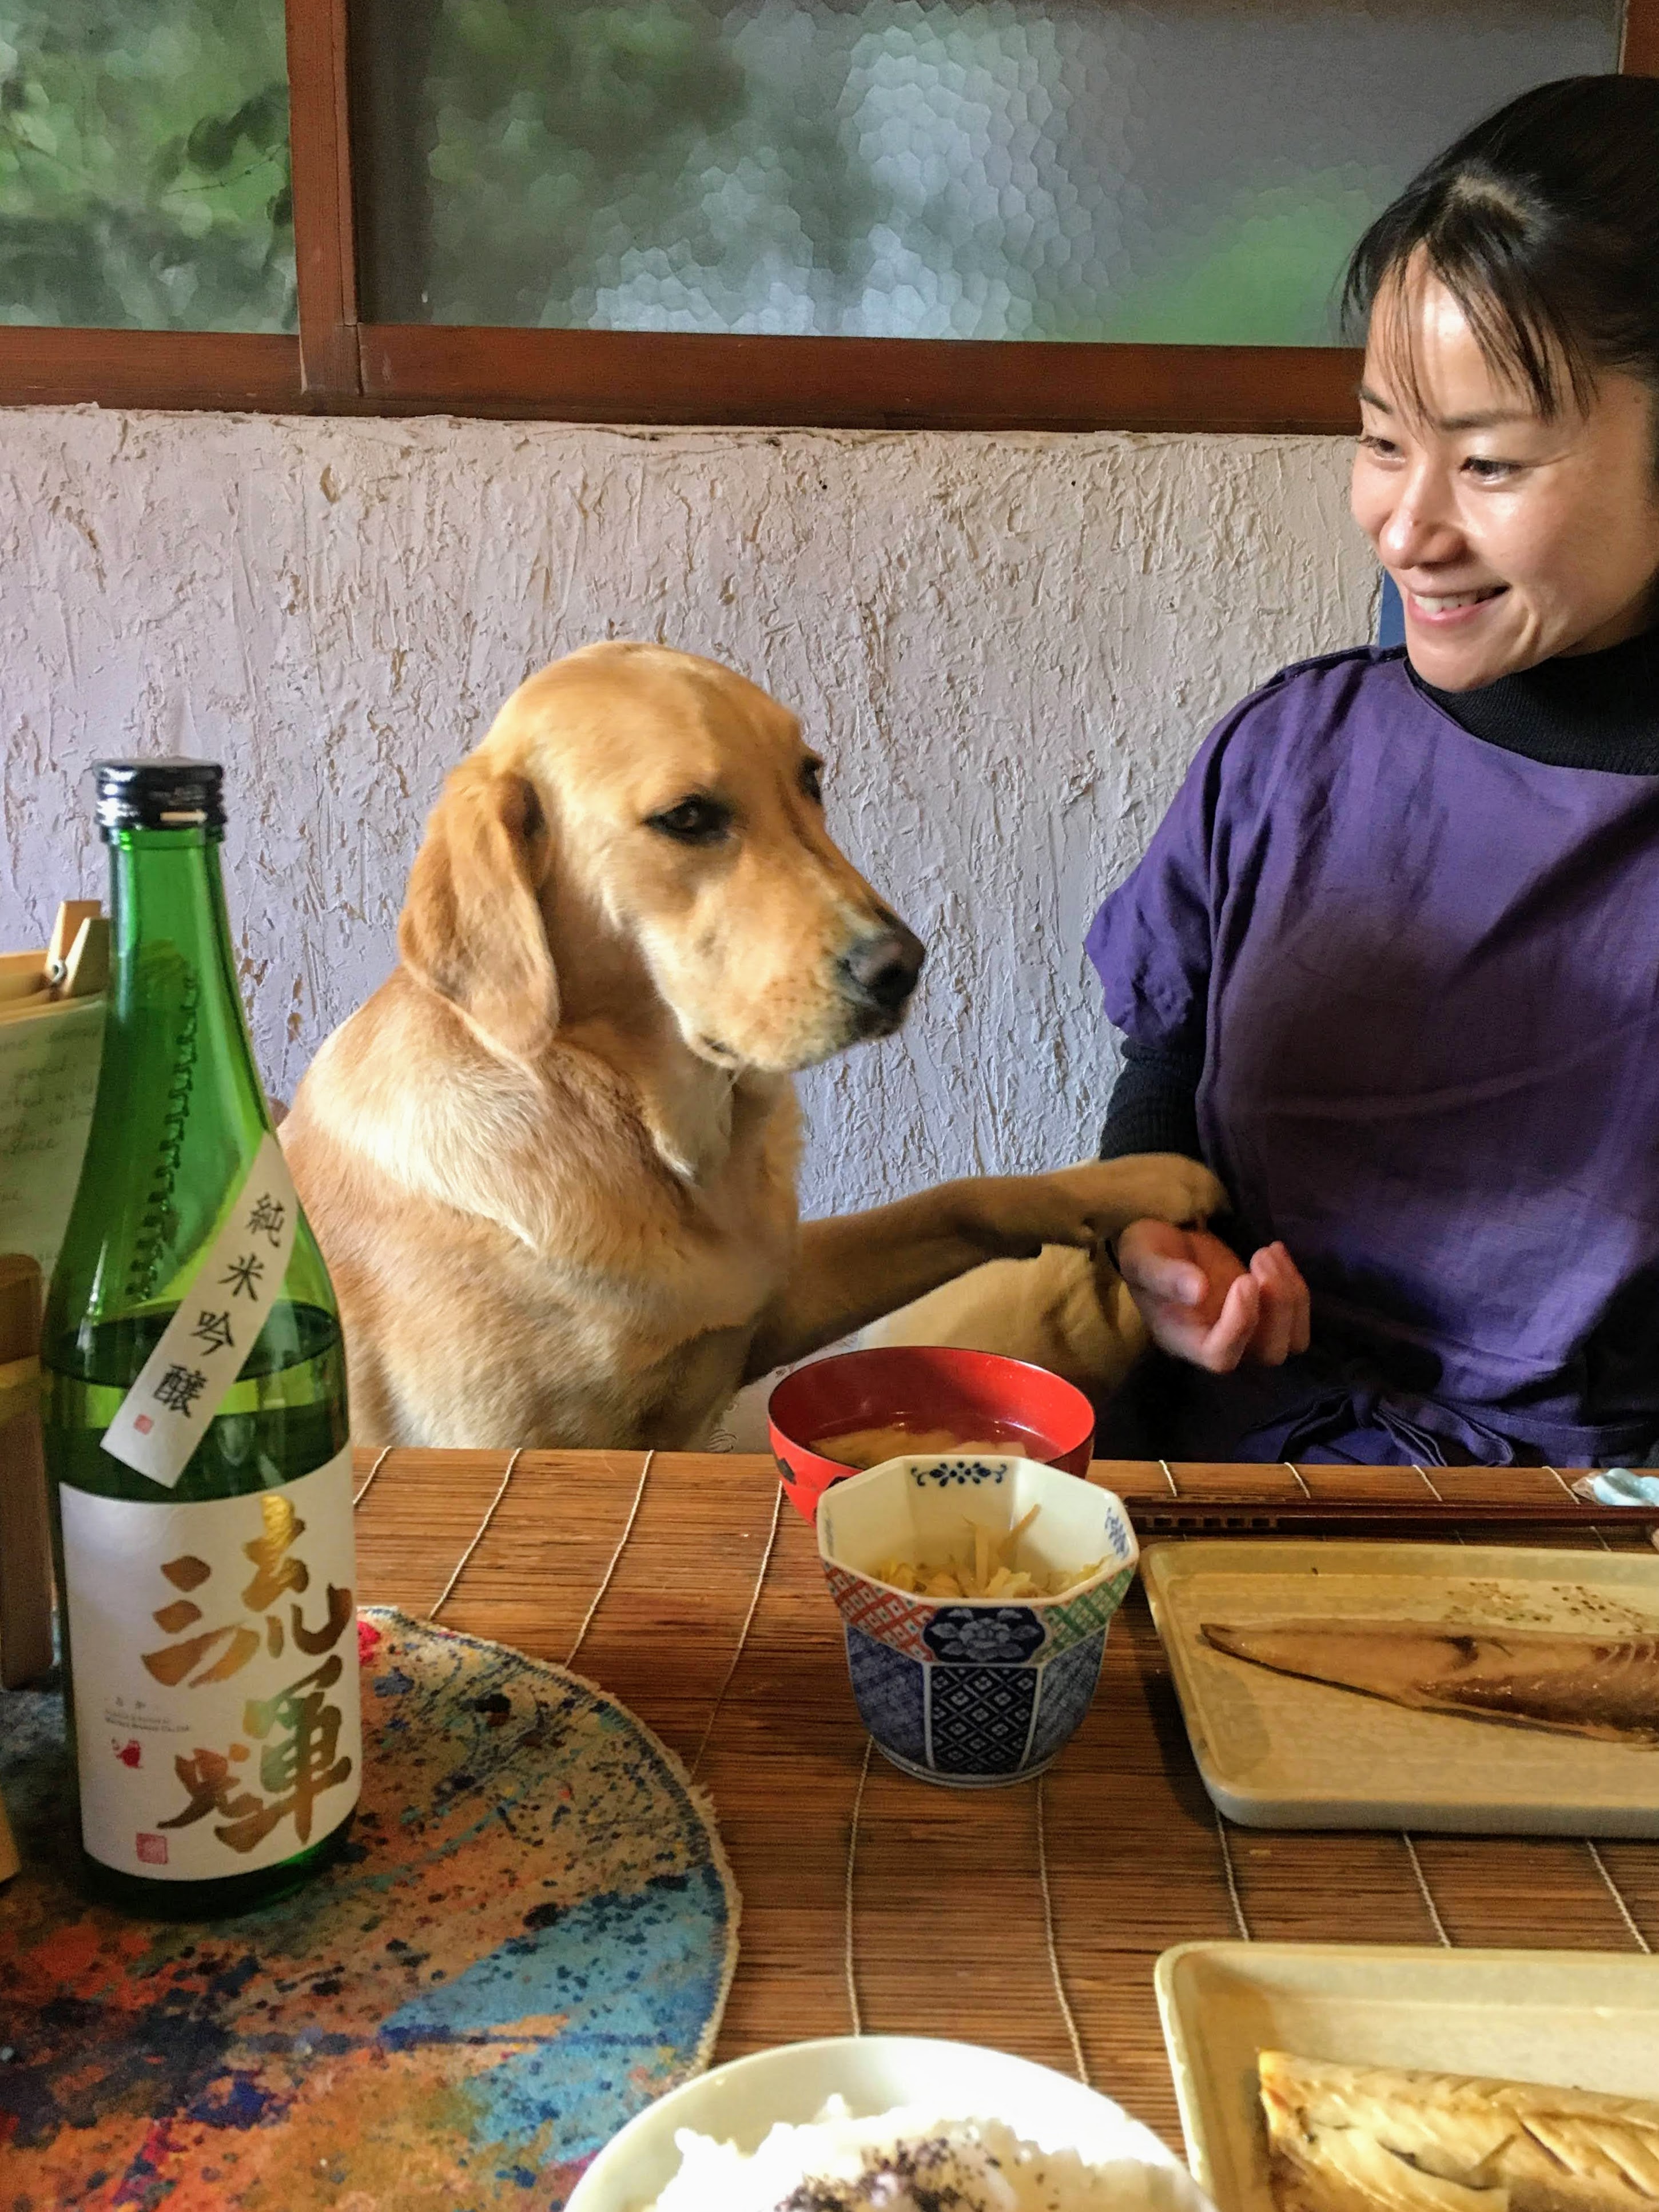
(531, 1935)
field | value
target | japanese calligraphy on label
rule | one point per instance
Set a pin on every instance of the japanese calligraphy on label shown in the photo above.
(216, 1674)
(165, 1415)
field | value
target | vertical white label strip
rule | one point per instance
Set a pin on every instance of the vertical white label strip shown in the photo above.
(185, 1381)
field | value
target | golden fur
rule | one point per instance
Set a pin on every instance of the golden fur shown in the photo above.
(1067, 1310)
(551, 1162)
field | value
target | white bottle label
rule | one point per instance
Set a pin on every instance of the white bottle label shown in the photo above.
(182, 1383)
(214, 1658)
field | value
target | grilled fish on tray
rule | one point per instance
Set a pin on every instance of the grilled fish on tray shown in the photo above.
(1370, 2139)
(1605, 1687)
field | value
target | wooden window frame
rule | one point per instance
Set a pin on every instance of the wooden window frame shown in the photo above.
(340, 365)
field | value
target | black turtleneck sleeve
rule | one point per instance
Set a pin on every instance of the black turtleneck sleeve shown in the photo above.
(1153, 1107)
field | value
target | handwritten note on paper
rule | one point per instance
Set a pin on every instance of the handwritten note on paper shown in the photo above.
(48, 1081)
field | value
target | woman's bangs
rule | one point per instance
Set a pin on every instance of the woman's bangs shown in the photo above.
(1521, 342)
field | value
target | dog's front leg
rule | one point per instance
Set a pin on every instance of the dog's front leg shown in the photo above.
(850, 1270)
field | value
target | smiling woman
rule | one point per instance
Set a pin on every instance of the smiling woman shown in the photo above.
(1508, 469)
(1387, 966)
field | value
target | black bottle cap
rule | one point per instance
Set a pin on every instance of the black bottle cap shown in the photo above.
(160, 794)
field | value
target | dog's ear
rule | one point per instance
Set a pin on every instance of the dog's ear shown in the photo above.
(471, 926)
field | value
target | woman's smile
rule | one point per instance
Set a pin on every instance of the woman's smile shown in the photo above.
(1444, 609)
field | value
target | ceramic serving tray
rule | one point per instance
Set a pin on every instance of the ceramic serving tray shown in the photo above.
(1582, 2019)
(1277, 1750)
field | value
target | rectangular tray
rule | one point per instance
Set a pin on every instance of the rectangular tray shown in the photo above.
(1277, 1751)
(1577, 2020)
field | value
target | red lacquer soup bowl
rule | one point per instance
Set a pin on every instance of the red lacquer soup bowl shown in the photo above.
(978, 1396)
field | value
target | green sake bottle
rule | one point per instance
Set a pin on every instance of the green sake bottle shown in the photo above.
(195, 1418)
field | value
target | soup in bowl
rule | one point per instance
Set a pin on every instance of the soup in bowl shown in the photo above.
(833, 1418)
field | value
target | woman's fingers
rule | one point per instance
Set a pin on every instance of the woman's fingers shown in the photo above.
(1216, 1337)
(1160, 1261)
(1291, 1296)
(1277, 1326)
(1302, 1329)
(1225, 1344)
(1271, 1344)
(1166, 1278)
(1283, 1328)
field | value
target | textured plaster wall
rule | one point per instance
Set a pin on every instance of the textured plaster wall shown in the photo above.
(1008, 645)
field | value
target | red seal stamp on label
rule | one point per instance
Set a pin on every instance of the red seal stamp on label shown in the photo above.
(152, 1849)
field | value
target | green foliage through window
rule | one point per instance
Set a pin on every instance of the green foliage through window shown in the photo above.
(144, 165)
(1182, 171)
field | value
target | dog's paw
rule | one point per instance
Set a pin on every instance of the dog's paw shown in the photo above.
(1104, 1196)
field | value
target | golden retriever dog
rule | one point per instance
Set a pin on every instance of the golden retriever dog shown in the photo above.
(551, 1163)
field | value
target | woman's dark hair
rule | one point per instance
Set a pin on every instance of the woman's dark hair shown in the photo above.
(1543, 223)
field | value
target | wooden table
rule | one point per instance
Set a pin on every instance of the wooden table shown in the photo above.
(947, 1911)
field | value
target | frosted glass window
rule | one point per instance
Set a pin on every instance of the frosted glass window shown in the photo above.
(143, 164)
(1194, 170)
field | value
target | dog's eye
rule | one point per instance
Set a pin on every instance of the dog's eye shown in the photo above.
(811, 782)
(694, 822)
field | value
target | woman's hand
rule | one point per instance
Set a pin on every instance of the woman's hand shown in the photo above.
(1202, 1304)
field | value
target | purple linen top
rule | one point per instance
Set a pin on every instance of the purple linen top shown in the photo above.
(1423, 973)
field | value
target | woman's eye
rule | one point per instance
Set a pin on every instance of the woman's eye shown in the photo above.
(811, 782)
(693, 822)
(1487, 471)
(1382, 449)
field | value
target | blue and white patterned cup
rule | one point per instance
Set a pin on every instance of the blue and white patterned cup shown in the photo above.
(972, 1692)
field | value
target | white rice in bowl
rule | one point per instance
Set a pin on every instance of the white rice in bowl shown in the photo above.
(904, 2161)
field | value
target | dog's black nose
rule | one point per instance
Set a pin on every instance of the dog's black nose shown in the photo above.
(884, 968)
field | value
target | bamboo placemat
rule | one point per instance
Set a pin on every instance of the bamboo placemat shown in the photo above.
(694, 1567)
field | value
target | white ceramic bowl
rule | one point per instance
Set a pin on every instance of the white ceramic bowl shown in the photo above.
(740, 2102)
